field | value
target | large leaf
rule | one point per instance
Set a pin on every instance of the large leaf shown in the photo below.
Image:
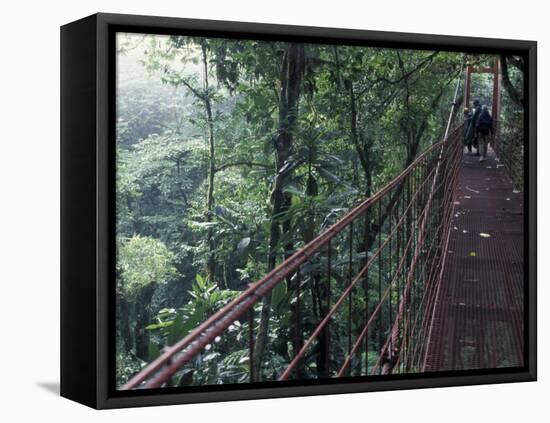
(291, 189)
(154, 351)
(278, 295)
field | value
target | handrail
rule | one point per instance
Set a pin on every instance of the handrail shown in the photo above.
(219, 321)
(414, 177)
(176, 356)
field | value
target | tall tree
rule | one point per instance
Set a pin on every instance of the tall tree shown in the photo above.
(206, 97)
(291, 76)
(514, 91)
(161, 59)
(143, 264)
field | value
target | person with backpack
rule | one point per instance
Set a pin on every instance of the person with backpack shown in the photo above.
(470, 130)
(484, 130)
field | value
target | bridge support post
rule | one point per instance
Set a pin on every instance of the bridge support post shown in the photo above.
(496, 90)
(496, 106)
(468, 86)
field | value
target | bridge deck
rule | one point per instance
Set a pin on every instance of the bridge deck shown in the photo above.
(478, 322)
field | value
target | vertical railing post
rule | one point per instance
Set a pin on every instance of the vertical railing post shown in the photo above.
(366, 288)
(298, 316)
(327, 328)
(380, 320)
(251, 343)
(350, 297)
(389, 261)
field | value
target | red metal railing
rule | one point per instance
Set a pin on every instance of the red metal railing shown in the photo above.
(382, 284)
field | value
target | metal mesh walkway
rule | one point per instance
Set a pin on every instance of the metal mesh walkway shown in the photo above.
(478, 320)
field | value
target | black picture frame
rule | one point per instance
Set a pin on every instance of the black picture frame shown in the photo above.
(87, 209)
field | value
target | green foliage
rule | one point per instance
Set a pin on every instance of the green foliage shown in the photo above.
(127, 365)
(170, 324)
(167, 231)
(143, 261)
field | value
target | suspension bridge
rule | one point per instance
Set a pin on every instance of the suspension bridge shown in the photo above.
(425, 275)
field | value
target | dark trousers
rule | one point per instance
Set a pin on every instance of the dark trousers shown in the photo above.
(472, 142)
(483, 143)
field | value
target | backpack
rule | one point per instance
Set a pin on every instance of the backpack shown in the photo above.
(485, 123)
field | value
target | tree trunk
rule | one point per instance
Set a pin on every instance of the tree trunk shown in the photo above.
(291, 76)
(513, 92)
(143, 319)
(211, 264)
(124, 323)
(354, 130)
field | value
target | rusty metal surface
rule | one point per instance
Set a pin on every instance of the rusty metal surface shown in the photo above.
(174, 357)
(429, 177)
(479, 316)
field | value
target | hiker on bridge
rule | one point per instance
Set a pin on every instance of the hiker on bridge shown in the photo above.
(467, 138)
(470, 129)
(484, 130)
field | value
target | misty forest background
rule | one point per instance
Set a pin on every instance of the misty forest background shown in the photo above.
(232, 154)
